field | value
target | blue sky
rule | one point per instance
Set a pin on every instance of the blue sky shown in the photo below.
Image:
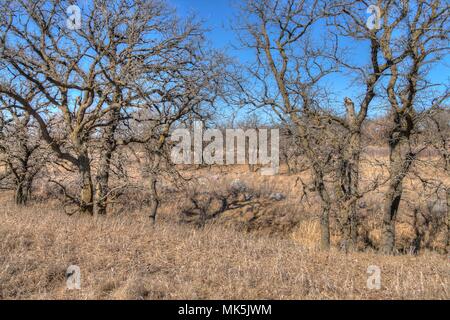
(218, 16)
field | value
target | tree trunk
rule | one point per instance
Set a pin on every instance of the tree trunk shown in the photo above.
(319, 184)
(86, 195)
(325, 228)
(102, 178)
(350, 187)
(325, 217)
(448, 220)
(354, 186)
(22, 193)
(392, 203)
(289, 169)
(154, 199)
(446, 157)
(400, 160)
(155, 156)
(418, 233)
(101, 192)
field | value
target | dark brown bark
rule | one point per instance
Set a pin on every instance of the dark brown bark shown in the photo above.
(392, 203)
(325, 241)
(154, 199)
(448, 220)
(349, 180)
(154, 170)
(418, 232)
(446, 157)
(102, 178)
(320, 187)
(22, 193)
(86, 194)
(400, 160)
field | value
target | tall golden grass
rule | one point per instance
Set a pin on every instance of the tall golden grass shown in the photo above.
(124, 257)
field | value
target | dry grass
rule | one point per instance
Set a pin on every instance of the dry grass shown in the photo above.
(123, 257)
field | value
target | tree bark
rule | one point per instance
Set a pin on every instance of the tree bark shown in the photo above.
(22, 193)
(446, 156)
(102, 178)
(350, 187)
(86, 195)
(400, 160)
(155, 156)
(154, 199)
(325, 241)
(448, 220)
(392, 203)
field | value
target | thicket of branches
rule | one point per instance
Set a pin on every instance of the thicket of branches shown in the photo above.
(81, 101)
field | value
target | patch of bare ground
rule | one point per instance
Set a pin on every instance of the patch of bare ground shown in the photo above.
(124, 257)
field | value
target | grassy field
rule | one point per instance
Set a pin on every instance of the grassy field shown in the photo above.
(124, 257)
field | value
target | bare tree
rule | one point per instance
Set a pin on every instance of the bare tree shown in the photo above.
(139, 42)
(127, 55)
(190, 86)
(21, 152)
(439, 127)
(418, 28)
(288, 71)
(348, 20)
(59, 73)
